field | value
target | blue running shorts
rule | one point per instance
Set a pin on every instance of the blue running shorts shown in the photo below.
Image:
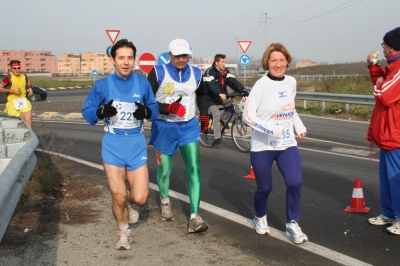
(167, 137)
(129, 151)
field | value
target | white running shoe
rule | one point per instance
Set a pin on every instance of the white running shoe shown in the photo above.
(294, 232)
(197, 224)
(125, 240)
(395, 228)
(166, 212)
(381, 220)
(261, 225)
(133, 215)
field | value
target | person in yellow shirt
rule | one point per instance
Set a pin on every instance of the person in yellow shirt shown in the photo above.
(18, 86)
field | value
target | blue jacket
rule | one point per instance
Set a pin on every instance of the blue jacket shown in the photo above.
(99, 95)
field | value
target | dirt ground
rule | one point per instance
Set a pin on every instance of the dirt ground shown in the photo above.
(65, 207)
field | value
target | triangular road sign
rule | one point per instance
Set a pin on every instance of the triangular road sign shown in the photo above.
(244, 45)
(113, 35)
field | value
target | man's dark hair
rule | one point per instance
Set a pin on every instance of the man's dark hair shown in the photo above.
(14, 61)
(122, 43)
(219, 57)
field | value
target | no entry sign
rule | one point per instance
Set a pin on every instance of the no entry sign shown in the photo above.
(146, 62)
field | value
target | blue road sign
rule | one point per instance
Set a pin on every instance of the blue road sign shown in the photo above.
(163, 59)
(244, 60)
(94, 73)
(109, 50)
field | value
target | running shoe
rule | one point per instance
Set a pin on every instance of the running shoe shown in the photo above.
(294, 232)
(166, 212)
(395, 228)
(197, 224)
(133, 215)
(381, 220)
(261, 225)
(125, 239)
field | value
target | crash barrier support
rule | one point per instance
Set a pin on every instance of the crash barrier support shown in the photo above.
(17, 162)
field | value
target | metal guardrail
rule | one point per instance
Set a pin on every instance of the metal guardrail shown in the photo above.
(319, 77)
(17, 162)
(334, 98)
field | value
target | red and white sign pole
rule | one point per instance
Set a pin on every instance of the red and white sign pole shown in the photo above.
(244, 45)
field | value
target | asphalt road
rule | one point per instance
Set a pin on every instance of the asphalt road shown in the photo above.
(333, 155)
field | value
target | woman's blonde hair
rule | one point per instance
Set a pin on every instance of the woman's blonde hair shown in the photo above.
(275, 47)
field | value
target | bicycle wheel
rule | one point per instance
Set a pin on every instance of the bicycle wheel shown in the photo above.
(207, 136)
(241, 134)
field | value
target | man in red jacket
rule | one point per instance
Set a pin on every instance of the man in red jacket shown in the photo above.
(384, 129)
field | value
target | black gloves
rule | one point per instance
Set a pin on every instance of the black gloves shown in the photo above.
(142, 112)
(245, 93)
(106, 110)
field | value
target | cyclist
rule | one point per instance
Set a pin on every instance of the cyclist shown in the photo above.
(216, 79)
(177, 87)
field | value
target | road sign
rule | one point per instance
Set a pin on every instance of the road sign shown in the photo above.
(94, 73)
(244, 60)
(244, 45)
(109, 50)
(146, 62)
(113, 35)
(163, 59)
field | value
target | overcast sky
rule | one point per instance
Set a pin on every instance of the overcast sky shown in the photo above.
(335, 31)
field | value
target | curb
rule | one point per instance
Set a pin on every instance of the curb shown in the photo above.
(67, 88)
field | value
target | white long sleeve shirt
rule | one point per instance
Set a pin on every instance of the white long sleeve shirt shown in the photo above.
(270, 111)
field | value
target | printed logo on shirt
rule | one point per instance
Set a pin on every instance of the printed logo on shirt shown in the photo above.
(263, 129)
(135, 95)
(282, 94)
(283, 116)
(169, 88)
(144, 158)
(118, 106)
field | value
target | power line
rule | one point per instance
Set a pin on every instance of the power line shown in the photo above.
(298, 10)
(331, 11)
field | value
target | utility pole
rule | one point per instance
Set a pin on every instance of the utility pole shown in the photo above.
(237, 67)
(266, 33)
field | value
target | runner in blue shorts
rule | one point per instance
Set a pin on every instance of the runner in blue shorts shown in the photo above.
(123, 100)
(177, 87)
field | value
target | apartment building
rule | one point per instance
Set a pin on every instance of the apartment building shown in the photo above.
(96, 61)
(31, 61)
(78, 64)
(70, 64)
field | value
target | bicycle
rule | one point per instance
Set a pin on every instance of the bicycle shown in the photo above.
(240, 131)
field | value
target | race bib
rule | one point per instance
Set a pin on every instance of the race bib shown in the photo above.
(185, 102)
(288, 135)
(124, 118)
(20, 103)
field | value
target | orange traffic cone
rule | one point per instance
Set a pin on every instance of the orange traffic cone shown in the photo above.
(357, 200)
(251, 174)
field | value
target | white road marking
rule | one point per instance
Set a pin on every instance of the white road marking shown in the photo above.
(309, 246)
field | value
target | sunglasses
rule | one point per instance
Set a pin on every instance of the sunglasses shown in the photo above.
(16, 68)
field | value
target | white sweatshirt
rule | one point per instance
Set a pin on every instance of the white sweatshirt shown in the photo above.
(270, 111)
